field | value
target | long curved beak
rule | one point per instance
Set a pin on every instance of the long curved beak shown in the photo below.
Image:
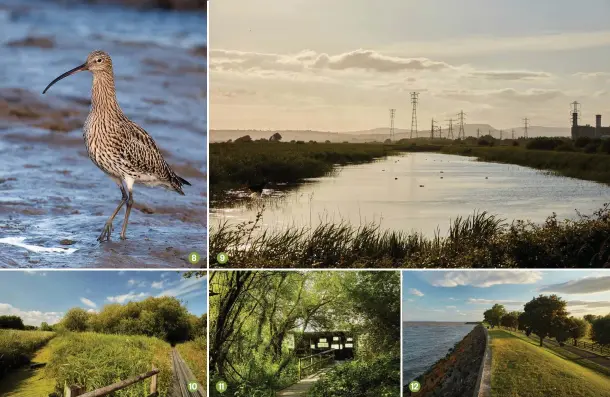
(68, 73)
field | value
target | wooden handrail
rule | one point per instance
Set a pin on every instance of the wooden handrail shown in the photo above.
(317, 354)
(104, 391)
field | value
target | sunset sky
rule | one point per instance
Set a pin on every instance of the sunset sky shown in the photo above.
(340, 65)
(465, 295)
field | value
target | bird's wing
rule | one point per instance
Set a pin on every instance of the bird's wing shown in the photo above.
(143, 154)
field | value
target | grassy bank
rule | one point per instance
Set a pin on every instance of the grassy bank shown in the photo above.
(581, 165)
(96, 360)
(235, 165)
(18, 347)
(519, 367)
(195, 355)
(479, 241)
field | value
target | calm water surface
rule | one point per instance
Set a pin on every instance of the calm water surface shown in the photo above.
(49, 190)
(422, 192)
(424, 343)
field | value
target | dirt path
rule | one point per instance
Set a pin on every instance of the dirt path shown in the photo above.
(183, 377)
(28, 382)
(301, 388)
(585, 354)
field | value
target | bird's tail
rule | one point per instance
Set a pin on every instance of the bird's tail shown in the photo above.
(177, 183)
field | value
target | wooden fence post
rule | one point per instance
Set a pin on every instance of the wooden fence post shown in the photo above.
(73, 391)
(153, 383)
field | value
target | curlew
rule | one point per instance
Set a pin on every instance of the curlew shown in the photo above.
(117, 145)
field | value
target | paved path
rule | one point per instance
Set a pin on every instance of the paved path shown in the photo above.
(596, 358)
(182, 377)
(301, 388)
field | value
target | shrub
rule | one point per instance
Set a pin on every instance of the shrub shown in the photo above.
(543, 143)
(18, 347)
(378, 378)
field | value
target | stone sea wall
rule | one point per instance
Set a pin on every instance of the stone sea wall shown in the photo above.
(456, 374)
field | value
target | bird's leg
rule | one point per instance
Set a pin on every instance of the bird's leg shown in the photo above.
(127, 211)
(108, 226)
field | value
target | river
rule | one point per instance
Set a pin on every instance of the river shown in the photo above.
(424, 343)
(419, 192)
(53, 199)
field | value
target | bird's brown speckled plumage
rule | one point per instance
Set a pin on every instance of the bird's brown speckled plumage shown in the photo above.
(117, 145)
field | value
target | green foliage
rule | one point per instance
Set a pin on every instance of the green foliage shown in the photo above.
(164, 318)
(511, 320)
(95, 360)
(257, 322)
(45, 327)
(546, 316)
(494, 315)
(600, 330)
(18, 347)
(76, 319)
(578, 328)
(590, 318)
(11, 322)
(543, 143)
(377, 378)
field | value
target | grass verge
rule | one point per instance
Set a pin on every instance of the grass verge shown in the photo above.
(519, 368)
(195, 354)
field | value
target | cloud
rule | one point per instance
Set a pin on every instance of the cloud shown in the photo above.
(591, 304)
(157, 285)
(492, 302)
(483, 279)
(372, 60)
(307, 60)
(131, 296)
(504, 94)
(88, 302)
(32, 317)
(136, 283)
(587, 285)
(35, 272)
(511, 75)
(592, 75)
(417, 292)
(186, 287)
(451, 307)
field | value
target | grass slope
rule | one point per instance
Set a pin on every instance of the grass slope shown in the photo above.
(522, 369)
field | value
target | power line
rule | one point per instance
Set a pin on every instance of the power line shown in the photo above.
(392, 114)
(461, 133)
(432, 128)
(414, 101)
(525, 125)
(513, 134)
(450, 130)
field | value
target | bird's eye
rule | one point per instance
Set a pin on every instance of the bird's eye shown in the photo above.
(99, 60)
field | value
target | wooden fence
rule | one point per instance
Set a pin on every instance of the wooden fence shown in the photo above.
(315, 362)
(74, 391)
(594, 347)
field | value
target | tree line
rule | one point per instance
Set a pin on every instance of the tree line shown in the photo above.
(547, 316)
(165, 318)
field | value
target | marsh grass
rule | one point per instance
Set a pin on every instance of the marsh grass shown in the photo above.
(97, 360)
(478, 241)
(18, 347)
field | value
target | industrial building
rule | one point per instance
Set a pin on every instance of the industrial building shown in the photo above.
(587, 130)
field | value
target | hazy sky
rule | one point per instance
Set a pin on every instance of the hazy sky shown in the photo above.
(465, 295)
(38, 296)
(340, 65)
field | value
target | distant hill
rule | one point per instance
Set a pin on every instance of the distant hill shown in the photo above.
(380, 134)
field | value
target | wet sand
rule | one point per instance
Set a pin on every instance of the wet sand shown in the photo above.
(53, 199)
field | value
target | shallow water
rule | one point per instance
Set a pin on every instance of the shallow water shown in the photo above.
(421, 192)
(50, 192)
(423, 344)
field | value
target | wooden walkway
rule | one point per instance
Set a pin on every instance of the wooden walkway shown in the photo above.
(301, 388)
